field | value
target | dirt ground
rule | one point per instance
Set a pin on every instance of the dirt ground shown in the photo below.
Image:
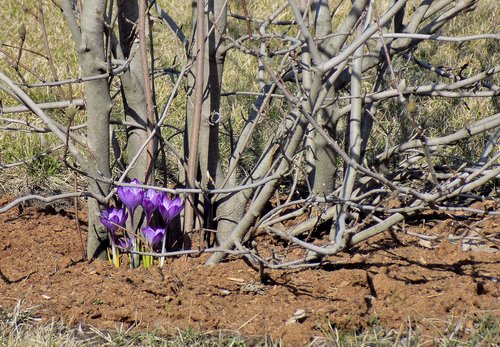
(394, 282)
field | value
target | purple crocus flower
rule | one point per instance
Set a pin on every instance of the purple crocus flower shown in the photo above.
(125, 243)
(169, 209)
(150, 202)
(112, 218)
(153, 235)
(131, 196)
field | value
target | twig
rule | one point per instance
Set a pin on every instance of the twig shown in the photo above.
(369, 32)
(22, 199)
(122, 66)
(338, 229)
(478, 127)
(435, 37)
(45, 106)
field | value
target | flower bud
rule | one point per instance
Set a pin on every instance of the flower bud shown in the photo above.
(21, 30)
(412, 106)
(71, 111)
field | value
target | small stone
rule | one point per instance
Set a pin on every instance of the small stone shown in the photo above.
(225, 292)
(425, 244)
(298, 316)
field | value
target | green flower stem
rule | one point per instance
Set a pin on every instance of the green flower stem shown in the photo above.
(163, 247)
(135, 244)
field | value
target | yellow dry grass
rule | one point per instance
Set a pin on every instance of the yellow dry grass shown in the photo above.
(438, 115)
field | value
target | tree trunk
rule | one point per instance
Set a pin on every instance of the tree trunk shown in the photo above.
(134, 99)
(325, 169)
(322, 177)
(93, 61)
(208, 146)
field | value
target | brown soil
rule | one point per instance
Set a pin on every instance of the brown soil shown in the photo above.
(395, 282)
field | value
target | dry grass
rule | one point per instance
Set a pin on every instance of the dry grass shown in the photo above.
(21, 327)
(439, 115)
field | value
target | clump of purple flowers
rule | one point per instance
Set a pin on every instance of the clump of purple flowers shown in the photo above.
(124, 232)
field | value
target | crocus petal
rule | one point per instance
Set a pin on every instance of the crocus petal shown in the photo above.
(152, 235)
(151, 200)
(124, 243)
(131, 196)
(164, 207)
(118, 216)
(176, 207)
(160, 232)
(149, 234)
(170, 209)
(110, 226)
(105, 219)
(112, 218)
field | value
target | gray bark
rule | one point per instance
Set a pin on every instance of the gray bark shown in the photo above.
(208, 146)
(322, 177)
(296, 125)
(325, 169)
(89, 40)
(134, 100)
